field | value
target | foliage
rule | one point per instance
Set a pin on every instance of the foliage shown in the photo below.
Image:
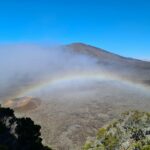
(101, 133)
(19, 133)
(130, 132)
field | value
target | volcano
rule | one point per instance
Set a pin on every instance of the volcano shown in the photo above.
(73, 107)
(131, 68)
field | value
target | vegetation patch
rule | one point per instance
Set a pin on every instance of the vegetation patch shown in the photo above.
(130, 132)
(19, 133)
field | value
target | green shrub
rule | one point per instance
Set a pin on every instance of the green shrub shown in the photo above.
(101, 133)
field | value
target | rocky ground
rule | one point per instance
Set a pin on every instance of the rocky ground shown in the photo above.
(69, 117)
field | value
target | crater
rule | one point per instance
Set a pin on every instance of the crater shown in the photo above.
(22, 103)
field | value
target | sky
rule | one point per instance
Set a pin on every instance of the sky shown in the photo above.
(119, 26)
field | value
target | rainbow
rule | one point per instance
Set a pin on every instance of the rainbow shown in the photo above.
(78, 76)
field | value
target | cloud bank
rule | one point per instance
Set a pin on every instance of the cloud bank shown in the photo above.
(23, 65)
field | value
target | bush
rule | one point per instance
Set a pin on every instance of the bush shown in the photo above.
(19, 134)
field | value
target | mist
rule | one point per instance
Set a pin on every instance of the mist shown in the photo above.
(26, 64)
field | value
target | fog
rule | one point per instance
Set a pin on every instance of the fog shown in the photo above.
(26, 64)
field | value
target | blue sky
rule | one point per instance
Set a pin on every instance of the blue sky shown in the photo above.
(120, 26)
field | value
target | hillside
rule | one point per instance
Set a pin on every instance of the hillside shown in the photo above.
(128, 68)
(104, 54)
(130, 132)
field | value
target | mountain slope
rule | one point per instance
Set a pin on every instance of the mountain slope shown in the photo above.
(128, 68)
(103, 54)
